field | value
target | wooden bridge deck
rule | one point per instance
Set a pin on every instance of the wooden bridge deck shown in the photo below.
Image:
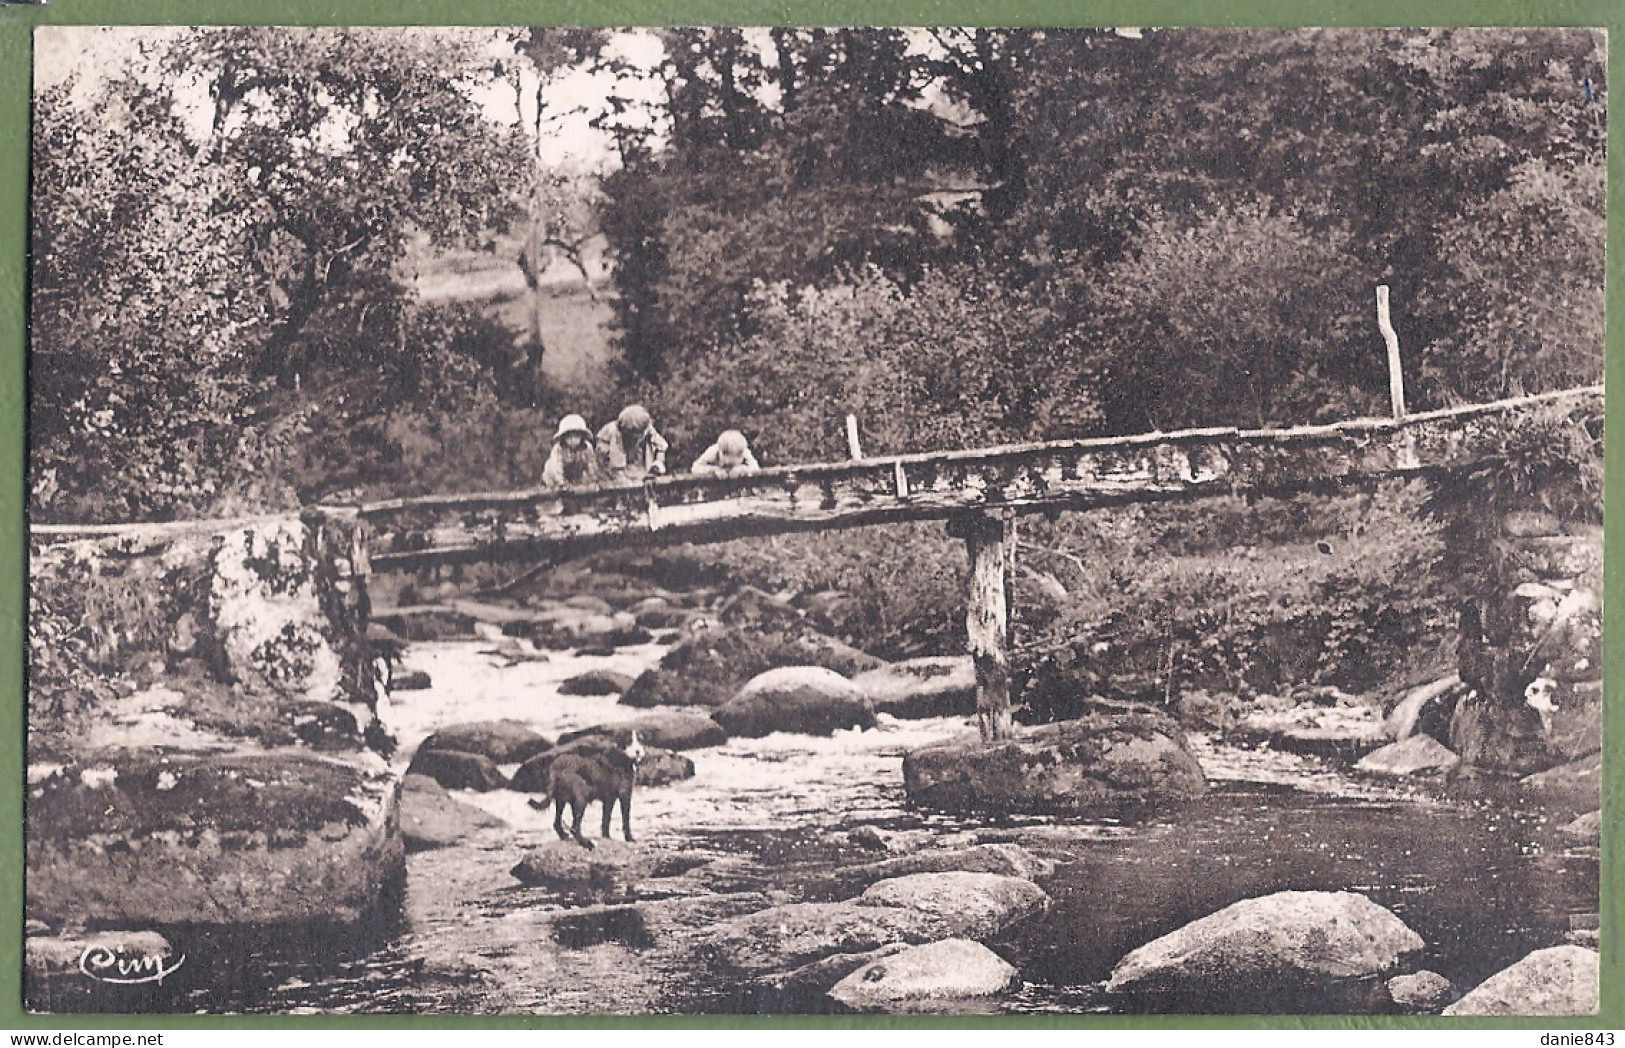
(1068, 474)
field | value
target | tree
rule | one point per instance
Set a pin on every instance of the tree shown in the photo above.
(1137, 189)
(561, 219)
(1432, 160)
(345, 141)
(231, 220)
(1243, 319)
(803, 155)
(140, 320)
(945, 363)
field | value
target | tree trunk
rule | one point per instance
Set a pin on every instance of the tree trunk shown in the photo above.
(784, 45)
(987, 621)
(990, 94)
(279, 358)
(532, 262)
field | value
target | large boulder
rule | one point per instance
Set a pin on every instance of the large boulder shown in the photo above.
(663, 767)
(927, 687)
(500, 741)
(648, 604)
(410, 680)
(281, 619)
(784, 937)
(143, 839)
(590, 602)
(456, 770)
(819, 975)
(1414, 755)
(1010, 860)
(916, 909)
(1577, 784)
(802, 990)
(759, 610)
(1561, 980)
(707, 668)
(1422, 991)
(1102, 763)
(977, 905)
(669, 731)
(596, 682)
(322, 725)
(610, 869)
(1508, 738)
(830, 653)
(946, 970)
(1275, 944)
(270, 610)
(830, 611)
(661, 616)
(806, 699)
(432, 818)
(203, 725)
(425, 622)
(565, 626)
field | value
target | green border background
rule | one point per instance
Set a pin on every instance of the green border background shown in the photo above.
(16, 25)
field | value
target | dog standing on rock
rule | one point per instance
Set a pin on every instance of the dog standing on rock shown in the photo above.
(578, 779)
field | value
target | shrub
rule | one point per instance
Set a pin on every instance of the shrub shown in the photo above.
(1345, 590)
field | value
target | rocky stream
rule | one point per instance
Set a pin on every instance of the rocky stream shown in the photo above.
(1483, 871)
(817, 831)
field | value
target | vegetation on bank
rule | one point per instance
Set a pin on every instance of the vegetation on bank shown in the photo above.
(1146, 602)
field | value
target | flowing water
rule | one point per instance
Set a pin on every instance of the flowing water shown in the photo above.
(1482, 875)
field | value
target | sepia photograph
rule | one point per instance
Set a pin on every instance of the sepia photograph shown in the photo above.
(794, 521)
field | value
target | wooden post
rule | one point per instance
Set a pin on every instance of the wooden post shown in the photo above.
(987, 620)
(1396, 377)
(852, 446)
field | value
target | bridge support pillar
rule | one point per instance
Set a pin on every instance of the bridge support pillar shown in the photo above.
(987, 618)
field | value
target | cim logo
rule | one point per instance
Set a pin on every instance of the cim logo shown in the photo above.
(110, 964)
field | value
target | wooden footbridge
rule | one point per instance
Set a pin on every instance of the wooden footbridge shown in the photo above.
(978, 492)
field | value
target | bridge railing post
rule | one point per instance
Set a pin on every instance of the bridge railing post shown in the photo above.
(987, 617)
(1390, 337)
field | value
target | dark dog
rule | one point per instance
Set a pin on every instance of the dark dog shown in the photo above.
(578, 779)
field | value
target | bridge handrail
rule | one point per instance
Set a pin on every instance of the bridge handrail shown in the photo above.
(794, 474)
(800, 473)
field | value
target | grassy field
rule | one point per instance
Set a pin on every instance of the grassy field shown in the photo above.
(573, 316)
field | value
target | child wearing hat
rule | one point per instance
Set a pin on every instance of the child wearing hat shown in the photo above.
(572, 460)
(631, 447)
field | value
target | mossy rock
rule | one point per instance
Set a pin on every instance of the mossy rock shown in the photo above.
(1101, 764)
(141, 839)
(708, 668)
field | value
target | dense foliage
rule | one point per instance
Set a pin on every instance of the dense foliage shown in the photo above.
(222, 222)
(962, 237)
(1187, 226)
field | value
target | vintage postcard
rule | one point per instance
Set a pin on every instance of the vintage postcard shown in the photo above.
(812, 521)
